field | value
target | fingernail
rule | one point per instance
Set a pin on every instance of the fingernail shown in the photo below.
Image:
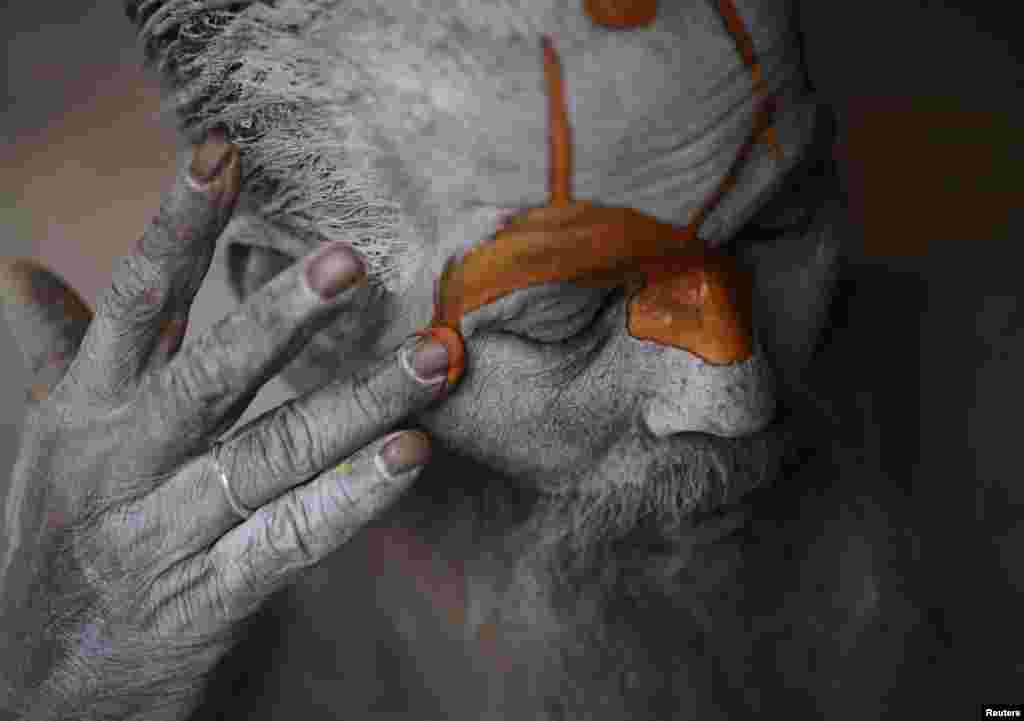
(332, 270)
(210, 158)
(429, 361)
(404, 452)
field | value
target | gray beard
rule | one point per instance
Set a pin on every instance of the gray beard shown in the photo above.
(620, 601)
(604, 602)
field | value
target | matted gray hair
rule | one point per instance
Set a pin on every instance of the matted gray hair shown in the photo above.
(258, 69)
(247, 67)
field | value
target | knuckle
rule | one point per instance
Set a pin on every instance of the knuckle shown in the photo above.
(137, 534)
(367, 400)
(196, 384)
(298, 444)
(231, 351)
(201, 378)
(218, 590)
(235, 585)
(186, 591)
(135, 284)
(289, 535)
(343, 502)
(271, 308)
(275, 317)
(241, 348)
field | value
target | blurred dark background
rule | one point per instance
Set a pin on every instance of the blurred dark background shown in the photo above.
(927, 97)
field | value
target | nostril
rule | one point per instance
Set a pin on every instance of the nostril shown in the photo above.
(729, 401)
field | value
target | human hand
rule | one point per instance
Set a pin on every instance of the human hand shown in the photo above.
(125, 570)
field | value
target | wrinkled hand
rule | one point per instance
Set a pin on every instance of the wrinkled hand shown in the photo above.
(125, 573)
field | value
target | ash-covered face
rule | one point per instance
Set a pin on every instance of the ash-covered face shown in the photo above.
(412, 128)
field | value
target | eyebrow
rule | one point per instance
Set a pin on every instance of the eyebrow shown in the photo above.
(666, 269)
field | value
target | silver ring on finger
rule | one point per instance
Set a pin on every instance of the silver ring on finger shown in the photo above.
(233, 501)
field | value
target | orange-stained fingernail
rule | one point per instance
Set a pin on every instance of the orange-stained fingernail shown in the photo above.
(455, 347)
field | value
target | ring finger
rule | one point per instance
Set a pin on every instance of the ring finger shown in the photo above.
(287, 445)
(205, 388)
(227, 581)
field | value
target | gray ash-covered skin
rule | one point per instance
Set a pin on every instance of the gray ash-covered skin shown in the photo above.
(584, 473)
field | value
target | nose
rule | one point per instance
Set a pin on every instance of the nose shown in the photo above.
(692, 395)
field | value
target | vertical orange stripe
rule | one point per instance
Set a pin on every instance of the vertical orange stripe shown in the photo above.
(745, 44)
(559, 133)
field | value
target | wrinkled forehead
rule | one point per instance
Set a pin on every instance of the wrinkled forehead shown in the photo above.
(496, 39)
(459, 92)
(351, 113)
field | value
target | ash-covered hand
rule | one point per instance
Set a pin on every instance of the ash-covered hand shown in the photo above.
(128, 557)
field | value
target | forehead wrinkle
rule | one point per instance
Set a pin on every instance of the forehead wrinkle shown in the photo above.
(310, 145)
(465, 175)
(313, 161)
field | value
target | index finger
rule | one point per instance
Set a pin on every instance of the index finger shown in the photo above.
(156, 284)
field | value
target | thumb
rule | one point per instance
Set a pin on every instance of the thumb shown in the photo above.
(47, 318)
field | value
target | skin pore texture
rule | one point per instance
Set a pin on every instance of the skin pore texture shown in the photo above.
(582, 472)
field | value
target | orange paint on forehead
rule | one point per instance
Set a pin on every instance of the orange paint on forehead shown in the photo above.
(622, 13)
(680, 294)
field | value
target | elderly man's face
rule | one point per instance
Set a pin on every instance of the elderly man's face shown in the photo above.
(422, 125)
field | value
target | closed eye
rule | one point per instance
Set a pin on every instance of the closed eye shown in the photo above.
(562, 323)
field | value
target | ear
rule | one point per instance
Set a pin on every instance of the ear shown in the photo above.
(48, 320)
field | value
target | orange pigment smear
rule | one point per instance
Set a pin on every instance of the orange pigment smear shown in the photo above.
(745, 44)
(559, 130)
(451, 339)
(680, 294)
(622, 14)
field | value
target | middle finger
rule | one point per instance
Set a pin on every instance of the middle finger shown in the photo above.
(206, 388)
(289, 444)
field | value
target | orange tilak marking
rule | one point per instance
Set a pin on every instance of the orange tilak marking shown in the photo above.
(745, 44)
(544, 245)
(622, 14)
(738, 30)
(680, 294)
(559, 130)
